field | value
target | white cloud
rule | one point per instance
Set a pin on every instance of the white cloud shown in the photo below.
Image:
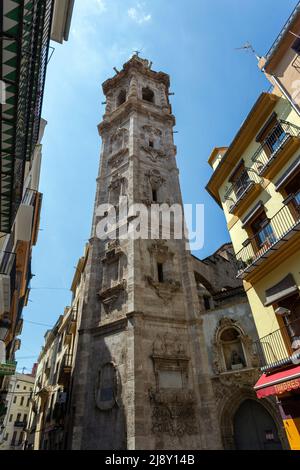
(138, 14)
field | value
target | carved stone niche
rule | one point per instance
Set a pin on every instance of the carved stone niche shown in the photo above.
(107, 387)
(246, 343)
(173, 404)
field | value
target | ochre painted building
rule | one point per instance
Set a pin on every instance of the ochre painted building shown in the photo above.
(256, 181)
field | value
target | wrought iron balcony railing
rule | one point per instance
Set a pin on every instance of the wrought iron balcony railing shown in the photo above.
(277, 138)
(276, 231)
(279, 348)
(241, 187)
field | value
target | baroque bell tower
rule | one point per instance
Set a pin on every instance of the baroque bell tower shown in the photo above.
(141, 377)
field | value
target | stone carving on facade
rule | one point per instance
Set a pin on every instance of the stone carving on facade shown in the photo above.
(160, 250)
(173, 412)
(113, 253)
(119, 140)
(217, 346)
(118, 158)
(110, 295)
(155, 155)
(155, 179)
(173, 409)
(168, 345)
(117, 182)
(165, 290)
(107, 387)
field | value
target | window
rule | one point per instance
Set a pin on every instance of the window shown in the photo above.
(28, 402)
(15, 400)
(263, 232)
(21, 401)
(292, 188)
(11, 418)
(121, 97)
(296, 46)
(206, 302)
(148, 95)
(18, 417)
(24, 388)
(275, 138)
(154, 195)
(18, 386)
(14, 438)
(240, 180)
(160, 272)
(151, 143)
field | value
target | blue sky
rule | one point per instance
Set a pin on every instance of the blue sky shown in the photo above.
(215, 86)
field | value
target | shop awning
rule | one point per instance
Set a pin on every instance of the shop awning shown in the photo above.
(278, 383)
(285, 288)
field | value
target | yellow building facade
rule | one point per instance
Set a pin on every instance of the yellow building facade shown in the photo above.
(256, 181)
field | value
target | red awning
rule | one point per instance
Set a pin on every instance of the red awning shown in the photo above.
(278, 383)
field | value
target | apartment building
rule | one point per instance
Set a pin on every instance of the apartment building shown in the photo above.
(25, 33)
(20, 390)
(49, 416)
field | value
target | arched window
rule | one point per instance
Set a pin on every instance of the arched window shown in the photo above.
(232, 349)
(148, 95)
(121, 97)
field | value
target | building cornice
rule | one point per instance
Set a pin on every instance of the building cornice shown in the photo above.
(251, 126)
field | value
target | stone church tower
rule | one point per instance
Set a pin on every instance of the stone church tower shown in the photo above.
(141, 378)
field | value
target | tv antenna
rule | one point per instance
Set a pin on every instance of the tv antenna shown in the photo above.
(248, 47)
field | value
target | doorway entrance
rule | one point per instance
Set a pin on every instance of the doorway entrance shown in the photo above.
(254, 428)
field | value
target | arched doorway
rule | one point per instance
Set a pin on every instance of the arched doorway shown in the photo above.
(254, 428)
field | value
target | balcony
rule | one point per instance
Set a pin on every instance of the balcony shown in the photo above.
(277, 231)
(243, 191)
(280, 144)
(280, 348)
(65, 370)
(7, 280)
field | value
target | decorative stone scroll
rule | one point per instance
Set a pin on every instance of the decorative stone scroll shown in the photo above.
(165, 290)
(155, 155)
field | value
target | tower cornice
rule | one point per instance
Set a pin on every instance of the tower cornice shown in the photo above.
(136, 64)
(133, 104)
